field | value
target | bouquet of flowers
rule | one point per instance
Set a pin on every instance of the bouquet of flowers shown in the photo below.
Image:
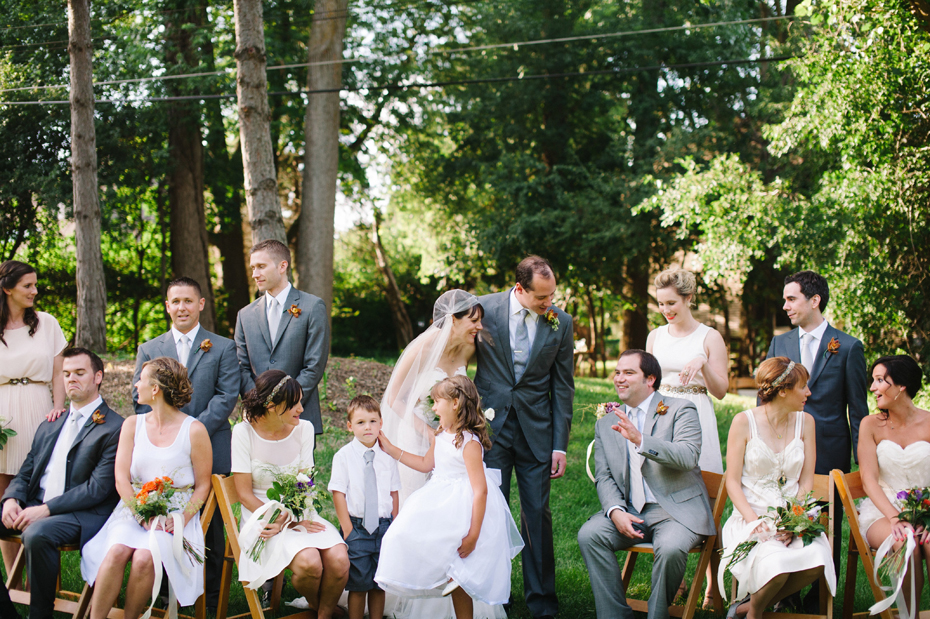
(800, 517)
(153, 499)
(5, 432)
(297, 496)
(915, 509)
(607, 408)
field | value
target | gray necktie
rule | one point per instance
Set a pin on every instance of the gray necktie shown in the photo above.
(521, 349)
(637, 490)
(274, 318)
(184, 349)
(807, 357)
(58, 464)
(370, 522)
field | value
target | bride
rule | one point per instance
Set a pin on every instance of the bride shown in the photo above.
(894, 455)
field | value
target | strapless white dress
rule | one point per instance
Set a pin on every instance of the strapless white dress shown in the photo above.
(762, 470)
(899, 468)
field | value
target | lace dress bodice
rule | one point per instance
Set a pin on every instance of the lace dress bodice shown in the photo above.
(768, 476)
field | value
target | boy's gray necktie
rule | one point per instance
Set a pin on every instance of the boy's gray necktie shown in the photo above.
(370, 522)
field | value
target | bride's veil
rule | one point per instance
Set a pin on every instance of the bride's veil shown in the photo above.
(414, 375)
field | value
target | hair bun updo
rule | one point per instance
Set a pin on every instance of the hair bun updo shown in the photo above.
(779, 374)
(171, 377)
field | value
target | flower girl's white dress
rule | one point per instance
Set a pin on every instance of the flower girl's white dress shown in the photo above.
(419, 552)
(762, 470)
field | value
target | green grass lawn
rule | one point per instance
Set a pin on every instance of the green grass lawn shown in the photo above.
(573, 501)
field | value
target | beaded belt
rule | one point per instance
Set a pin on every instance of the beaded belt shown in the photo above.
(692, 389)
(24, 381)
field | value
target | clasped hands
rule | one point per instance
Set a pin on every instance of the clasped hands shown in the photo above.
(15, 517)
(899, 530)
(283, 522)
(778, 535)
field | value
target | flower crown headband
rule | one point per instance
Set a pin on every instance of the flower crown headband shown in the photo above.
(784, 374)
(269, 401)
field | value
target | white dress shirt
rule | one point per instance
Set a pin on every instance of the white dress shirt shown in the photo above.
(348, 477)
(814, 343)
(532, 317)
(281, 298)
(634, 451)
(60, 451)
(191, 336)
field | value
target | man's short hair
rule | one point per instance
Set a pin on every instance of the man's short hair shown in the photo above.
(96, 364)
(184, 281)
(647, 363)
(364, 403)
(811, 283)
(276, 249)
(530, 266)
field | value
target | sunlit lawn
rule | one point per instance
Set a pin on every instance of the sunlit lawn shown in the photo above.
(574, 499)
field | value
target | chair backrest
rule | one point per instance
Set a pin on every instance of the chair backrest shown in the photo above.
(717, 491)
(226, 497)
(849, 486)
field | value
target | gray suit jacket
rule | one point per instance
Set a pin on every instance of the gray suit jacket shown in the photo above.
(542, 400)
(90, 482)
(671, 449)
(214, 374)
(301, 347)
(839, 391)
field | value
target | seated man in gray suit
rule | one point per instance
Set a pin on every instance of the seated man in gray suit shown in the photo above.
(65, 490)
(213, 370)
(650, 488)
(284, 329)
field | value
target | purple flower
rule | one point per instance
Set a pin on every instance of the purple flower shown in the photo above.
(918, 494)
(300, 485)
(902, 496)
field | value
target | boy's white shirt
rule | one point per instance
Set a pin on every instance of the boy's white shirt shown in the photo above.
(348, 477)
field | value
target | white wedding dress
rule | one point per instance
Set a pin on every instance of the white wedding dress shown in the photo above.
(673, 353)
(899, 468)
(762, 471)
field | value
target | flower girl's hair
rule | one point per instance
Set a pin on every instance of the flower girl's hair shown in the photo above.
(468, 415)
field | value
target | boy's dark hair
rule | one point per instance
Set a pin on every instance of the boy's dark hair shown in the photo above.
(96, 364)
(363, 402)
(648, 364)
(184, 281)
(811, 283)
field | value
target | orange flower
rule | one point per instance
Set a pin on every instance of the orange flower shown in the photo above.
(206, 345)
(150, 486)
(661, 408)
(142, 495)
(294, 311)
(797, 510)
(833, 346)
(167, 480)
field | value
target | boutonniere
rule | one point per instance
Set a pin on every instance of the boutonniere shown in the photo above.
(206, 345)
(606, 408)
(833, 347)
(98, 417)
(294, 311)
(661, 408)
(552, 318)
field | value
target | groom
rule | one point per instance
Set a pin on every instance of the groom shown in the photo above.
(525, 374)
(650, 488)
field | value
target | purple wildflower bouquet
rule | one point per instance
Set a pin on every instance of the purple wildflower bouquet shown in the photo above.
(299, 498)
(607, 408)
(915, 509)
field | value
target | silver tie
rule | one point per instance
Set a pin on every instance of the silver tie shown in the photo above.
(274, 318)
(637, 491)
(184, 349)
(370, 521)
(58, 464)
(521, 349)
(807, 357)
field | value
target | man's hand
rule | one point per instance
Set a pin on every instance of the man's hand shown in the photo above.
(624, 523)
(558, 465)
(31, 515)
(627, 428)
(11, 510)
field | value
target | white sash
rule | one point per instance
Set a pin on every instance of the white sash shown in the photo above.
(897, 596)
(177, 549)
(248, 534)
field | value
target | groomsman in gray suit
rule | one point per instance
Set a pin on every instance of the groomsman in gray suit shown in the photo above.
(213, 370)
(525, 374)
(650, 488)
(284, 329)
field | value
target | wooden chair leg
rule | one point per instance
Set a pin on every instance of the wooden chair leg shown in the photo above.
(849, 595)
(276, 589)
(626, 575)
(83, 602)
(222, 607)
(15, 577)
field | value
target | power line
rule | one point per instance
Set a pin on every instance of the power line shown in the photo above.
(462, 82)
(515, 45)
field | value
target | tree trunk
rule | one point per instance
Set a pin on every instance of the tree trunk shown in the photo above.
(189, 240)
(91, 299)
(592, 332)
(635, 322)
(403, 328)
(261, 184)
(321, 154)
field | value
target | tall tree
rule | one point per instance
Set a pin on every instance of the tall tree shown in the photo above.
(321, 151)
(91, 288)
(261, 185)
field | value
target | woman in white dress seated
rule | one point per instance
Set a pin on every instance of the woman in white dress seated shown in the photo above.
(163, 442)
(894, 455)
(273, 438)
(771, 453)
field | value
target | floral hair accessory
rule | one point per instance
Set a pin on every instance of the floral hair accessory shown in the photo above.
(833, 347)
(206, 345)
(784, 374)
(294, 311)
(661, 408)
(269, 401)
(552, 318)
(98, 417)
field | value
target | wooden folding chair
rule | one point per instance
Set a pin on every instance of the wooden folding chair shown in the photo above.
(224, 490)
(823, 491)
(708, 556)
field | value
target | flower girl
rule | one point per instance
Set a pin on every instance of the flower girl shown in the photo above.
(455, 534)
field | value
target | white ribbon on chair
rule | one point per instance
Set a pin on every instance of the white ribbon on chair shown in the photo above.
(587, 461)
(250, 531)
(904, 611)
(177, 549)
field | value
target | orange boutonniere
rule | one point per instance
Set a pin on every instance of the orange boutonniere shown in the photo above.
(206, 345)
(98, 417)
(552, 318)
(661, 408)
(294, 311)
(833, 346)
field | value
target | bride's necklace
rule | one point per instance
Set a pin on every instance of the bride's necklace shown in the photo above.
(771, 425)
